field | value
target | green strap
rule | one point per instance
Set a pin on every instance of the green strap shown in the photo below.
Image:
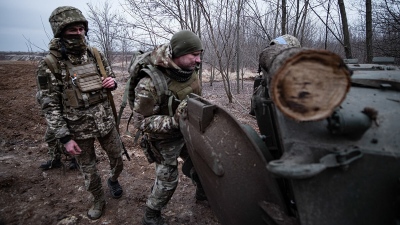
(159, 81)
(170, 100)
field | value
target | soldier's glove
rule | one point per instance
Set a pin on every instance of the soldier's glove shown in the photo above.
(181, 111)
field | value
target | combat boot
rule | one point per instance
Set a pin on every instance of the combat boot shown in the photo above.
(73, 165)
(115, 188)
(55, 163)
(200, 194)
(97, 208)
(153, 217)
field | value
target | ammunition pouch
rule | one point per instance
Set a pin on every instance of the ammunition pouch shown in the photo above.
(74, 98)
(151, 153)
(86, 86)
(89, 82)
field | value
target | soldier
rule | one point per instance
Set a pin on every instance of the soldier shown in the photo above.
(158, 118)
(75, 104)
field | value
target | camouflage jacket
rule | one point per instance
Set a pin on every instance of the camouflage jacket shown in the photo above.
(78, 123)
(147, 113)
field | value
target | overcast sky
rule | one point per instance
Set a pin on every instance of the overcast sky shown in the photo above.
(30, 18)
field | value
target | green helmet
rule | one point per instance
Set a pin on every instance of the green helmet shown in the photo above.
(63, 16)
(286, 39)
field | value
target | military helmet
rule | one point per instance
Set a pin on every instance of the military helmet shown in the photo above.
(63, 16)
(286, 39)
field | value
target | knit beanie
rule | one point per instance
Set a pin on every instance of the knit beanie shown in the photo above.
(185, 42)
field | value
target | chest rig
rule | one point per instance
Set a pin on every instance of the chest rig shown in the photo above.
(179, 91)
(82, 84)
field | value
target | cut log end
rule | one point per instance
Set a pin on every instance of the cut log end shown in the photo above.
(310, 85)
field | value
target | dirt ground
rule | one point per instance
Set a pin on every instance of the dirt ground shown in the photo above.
(29, 195)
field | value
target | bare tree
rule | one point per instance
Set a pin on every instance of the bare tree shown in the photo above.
(346, 35)
(155, 21)
(284, 15)
(239, 9)
(104, 26)
(221, 35)
(386, 17)
(368, 26)
(303, 21)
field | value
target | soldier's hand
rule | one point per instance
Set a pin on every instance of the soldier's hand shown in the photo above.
(108, 82)
(181, 110)
(72, 148)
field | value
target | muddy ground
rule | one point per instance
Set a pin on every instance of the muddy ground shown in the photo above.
(29, 195)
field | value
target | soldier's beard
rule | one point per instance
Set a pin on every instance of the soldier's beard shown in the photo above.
(75, 44)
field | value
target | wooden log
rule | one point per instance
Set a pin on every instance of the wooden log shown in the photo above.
(305, 84)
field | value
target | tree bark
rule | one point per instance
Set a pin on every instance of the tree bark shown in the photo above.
(368, 26)
(284, 15)
(346, 34)
(305, 84)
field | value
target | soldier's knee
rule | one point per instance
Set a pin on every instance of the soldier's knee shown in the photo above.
(167, 173)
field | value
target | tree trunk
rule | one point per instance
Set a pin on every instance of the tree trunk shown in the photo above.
(276, 20)
(239, 7)
(297, 19)
(346, 35)
(368, 26)
(327, 22)
(284, 14)
(304, 19)
(305, 84)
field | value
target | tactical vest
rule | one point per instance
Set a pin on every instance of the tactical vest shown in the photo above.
(82, 83)
(171, 92)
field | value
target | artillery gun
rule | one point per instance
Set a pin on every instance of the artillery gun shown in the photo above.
(327, 151)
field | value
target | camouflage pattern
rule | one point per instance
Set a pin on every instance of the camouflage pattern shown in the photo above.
(63, 16)
(153, 123)
(161, 128)
(164, 186)
(112, 145)
(54, 147)
(162, 57)
(166, 172)
(75, 45)
(286, 39)
(84, 125)
(81, 123)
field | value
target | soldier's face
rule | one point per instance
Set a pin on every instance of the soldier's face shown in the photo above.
(188, 61)
(78, 29)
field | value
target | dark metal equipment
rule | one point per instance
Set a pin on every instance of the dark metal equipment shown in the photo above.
(344, 169)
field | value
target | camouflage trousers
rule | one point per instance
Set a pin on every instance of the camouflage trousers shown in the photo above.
(111, 144)
(55, 148)
(166, 172)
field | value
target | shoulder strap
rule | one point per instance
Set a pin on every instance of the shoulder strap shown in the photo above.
(104, 74)
(159, 80)
(53, 64)
(96, 55)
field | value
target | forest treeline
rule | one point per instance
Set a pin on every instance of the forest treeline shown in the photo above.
(235, 32)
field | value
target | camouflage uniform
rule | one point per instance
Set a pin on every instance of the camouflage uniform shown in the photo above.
(162, 129)
(55, 149)
(81, 124)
